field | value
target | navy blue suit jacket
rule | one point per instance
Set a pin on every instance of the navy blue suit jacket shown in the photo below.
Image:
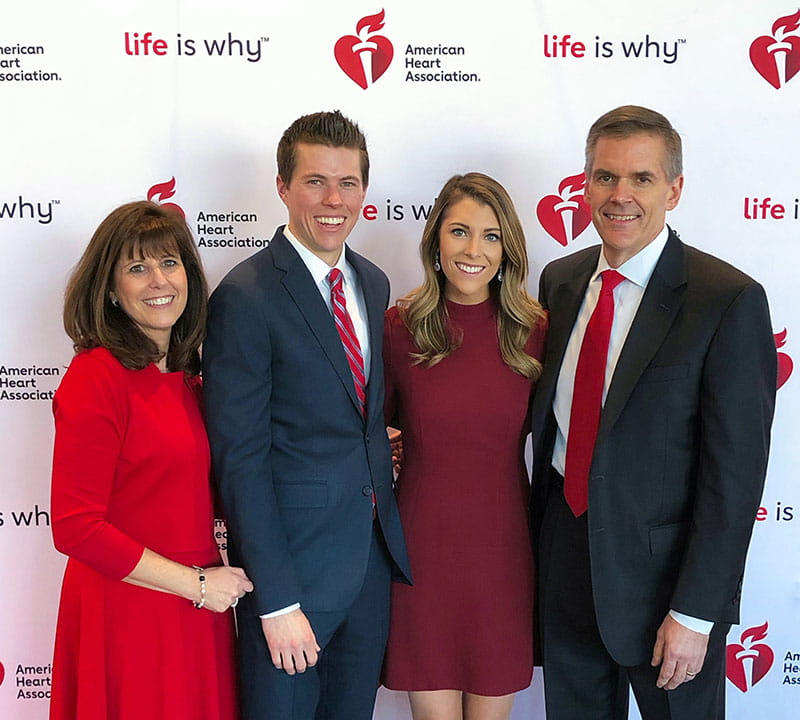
(295, 461)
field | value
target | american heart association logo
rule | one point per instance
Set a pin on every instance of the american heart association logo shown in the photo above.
(785, 364)
(748, 648)
(164, 191)
(365, 56)
(777, 57)
(566, 215)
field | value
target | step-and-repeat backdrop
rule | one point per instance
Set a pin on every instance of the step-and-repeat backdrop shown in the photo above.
(183, 102)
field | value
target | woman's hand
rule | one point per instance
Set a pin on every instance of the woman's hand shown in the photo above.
(224, 586)
(396, 443)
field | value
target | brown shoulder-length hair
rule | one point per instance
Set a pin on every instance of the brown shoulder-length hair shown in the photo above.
(148, 230)
(424, 310)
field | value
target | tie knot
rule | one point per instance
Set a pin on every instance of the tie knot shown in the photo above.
(611, 278)
(335, 279)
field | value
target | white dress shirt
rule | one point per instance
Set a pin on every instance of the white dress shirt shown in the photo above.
(627, 298)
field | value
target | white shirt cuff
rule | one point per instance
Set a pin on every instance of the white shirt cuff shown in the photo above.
(282, 611)
(693, 623)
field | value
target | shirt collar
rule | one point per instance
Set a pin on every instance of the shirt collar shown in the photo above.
(639, 268)
(318, 268)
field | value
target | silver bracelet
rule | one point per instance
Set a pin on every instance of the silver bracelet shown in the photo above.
(201, 576)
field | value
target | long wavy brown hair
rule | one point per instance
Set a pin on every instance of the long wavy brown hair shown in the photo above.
(91, 320)
(424, 310)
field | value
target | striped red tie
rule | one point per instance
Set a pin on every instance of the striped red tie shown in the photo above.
(347, 333)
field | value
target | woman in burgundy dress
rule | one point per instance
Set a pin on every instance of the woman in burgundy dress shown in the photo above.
(142, 628)
(462, 356)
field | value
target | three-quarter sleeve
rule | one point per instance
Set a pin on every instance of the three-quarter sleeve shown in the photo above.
(90, 411)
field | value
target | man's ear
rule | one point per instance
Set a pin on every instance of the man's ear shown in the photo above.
(282, 186)
(675, 193)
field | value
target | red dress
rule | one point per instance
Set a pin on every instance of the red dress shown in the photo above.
(131, 470)
(467, 622)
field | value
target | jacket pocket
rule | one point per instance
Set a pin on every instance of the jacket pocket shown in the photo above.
(307, 495)
(667, 538)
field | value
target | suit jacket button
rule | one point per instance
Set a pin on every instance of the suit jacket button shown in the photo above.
(366, 490)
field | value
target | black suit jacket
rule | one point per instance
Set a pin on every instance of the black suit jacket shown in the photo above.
(681, 452)
(294, 459)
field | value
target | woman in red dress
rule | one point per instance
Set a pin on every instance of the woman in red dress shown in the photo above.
(143, 631)
(462, 356)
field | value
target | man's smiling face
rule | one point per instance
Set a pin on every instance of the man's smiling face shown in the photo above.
(629, 193)
(324, 197)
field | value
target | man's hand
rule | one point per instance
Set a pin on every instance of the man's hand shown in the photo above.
(680, 652)
(291, 641)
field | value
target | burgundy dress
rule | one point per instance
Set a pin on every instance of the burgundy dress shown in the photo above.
(467, 622)
(131, 470)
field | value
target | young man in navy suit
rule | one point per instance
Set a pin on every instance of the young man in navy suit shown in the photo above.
(294, 400)
(648, 473)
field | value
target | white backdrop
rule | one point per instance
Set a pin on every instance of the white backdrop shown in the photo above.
(102, 103)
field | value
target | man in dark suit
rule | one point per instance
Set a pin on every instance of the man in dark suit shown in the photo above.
(648, 472)
(294, 399)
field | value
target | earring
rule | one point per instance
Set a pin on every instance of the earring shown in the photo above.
(500, 274)
(437, 265)
(114, 300)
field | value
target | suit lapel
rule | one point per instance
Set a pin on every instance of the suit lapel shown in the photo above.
(660, 304)
(301, 287)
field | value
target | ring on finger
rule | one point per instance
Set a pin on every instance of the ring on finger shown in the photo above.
(690, 674)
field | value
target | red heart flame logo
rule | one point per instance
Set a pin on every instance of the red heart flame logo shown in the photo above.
(777, 57)
(365, 57)
(765, 58)
(565, 216)
(760, 653)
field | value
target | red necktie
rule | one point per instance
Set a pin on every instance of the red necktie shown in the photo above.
(347, 333)
(587, 396)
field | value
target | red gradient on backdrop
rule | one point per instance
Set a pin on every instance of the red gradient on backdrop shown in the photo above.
(163, 191)
(776, 57)
(785, 363)
(745, 675)
(365, 56)
(2, 673)
(566, 215)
